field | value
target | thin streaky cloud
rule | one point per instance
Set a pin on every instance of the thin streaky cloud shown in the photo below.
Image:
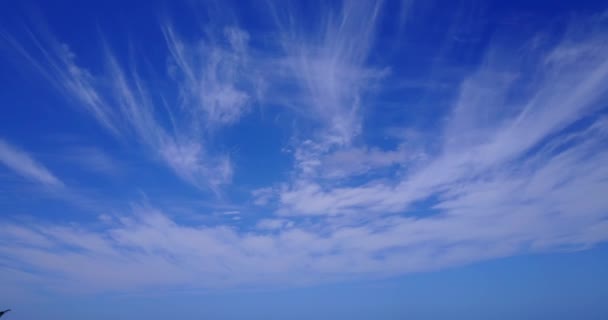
(329, 67)
(478, 137)
(23, 164)
(54, 61)
(127, 109)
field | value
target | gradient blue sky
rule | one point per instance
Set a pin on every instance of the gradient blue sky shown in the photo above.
(304, 159)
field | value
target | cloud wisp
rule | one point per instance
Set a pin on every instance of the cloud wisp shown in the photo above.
(500, 116)
(23, 164)
(122, 103)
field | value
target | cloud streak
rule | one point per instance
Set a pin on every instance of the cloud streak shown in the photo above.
(208, 80)
(23, 164)
(57, 63)
(486, 131)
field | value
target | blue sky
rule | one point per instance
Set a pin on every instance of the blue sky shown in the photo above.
(291, 159)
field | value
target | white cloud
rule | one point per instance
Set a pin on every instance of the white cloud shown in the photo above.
(57, 63)
(219, 78)
(180, 147)
(23, 164)
(553, 200)
(214, 91)
(262, 196)
(327, 67)
(503, 215)
(213, 78)
(485, 133)
(513, 175)
(349, 162)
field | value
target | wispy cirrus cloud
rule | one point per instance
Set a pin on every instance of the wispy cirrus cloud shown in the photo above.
(504, 110)
(57, 63)
(218, 79)
(181, 146)
(519, 167)
(501, 215)
(325, 73)
(549, 198)
(23, 164)
(207, 75)
(214, 77)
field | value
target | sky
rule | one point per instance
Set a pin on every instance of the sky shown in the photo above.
(304, 159)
